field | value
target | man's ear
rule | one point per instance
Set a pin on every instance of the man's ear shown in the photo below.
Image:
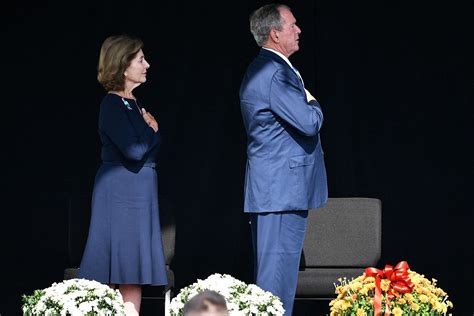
(274, 35)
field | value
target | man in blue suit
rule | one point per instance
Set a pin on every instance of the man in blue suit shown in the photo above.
(285, 174)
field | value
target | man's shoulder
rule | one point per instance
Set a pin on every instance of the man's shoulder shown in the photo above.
(265, 64)
(273, 56)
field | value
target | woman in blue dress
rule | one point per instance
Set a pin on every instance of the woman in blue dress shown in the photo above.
(124, 246)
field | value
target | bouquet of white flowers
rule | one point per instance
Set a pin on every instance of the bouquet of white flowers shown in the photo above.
(75, 297)
(241, 298)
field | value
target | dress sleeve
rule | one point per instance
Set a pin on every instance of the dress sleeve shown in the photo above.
(289, 103)
(116, 124)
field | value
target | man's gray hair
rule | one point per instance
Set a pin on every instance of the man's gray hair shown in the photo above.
(264, 19)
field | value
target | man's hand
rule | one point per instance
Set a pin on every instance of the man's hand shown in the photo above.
(309, 96)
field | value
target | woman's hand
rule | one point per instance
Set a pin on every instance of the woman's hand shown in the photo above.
(149, 120)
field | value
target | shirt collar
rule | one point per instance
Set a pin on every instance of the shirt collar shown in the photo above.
(281, 55)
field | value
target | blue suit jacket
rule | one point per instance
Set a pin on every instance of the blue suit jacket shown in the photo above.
(285, 163)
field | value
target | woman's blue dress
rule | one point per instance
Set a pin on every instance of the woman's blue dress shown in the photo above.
(124, 244)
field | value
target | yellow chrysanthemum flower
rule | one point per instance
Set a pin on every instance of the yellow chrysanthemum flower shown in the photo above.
(364, 290)
(414, 307)
(346, 305)
(385, 285)
(356, 286)
(423, 298)
(361, 312)
(369, 280)
(397, 311)
(439, 307)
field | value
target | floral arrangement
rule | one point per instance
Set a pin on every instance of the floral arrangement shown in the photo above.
(393, 290)
(74, 297)
(241, 298)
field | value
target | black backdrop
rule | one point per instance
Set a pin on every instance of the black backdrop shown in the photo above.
(394, 80)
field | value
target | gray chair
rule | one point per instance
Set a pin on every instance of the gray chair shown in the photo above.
(79, 217)
(342, 239)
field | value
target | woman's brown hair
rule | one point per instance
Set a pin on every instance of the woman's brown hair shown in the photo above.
(116, 54)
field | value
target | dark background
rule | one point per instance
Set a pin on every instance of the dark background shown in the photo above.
(395, 81)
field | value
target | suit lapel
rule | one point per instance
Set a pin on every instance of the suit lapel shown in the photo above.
(283, 64)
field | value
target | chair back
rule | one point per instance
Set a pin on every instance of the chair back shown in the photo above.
(346, 232)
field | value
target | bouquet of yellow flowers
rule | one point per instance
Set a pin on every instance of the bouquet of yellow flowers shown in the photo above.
(392, 291)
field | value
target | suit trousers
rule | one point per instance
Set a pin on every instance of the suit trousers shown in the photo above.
(277, 239)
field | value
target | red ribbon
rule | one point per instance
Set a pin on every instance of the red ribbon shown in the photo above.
(399, 281)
